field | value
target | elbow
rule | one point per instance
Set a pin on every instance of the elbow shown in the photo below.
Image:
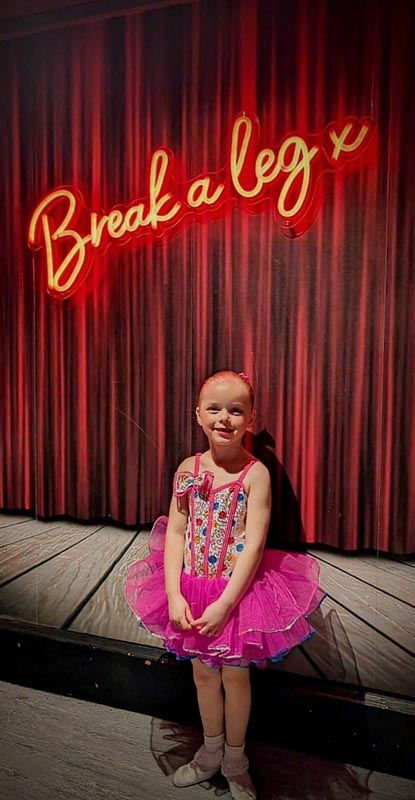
(175, 533)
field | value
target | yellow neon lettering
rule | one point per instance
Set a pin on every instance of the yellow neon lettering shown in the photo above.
(265, 160)
(134, 218)
(290, 166)
(49, 200)
(300, 162)
(78, 250)
(97, 230)
(49, 251)
(158, 169)
(62, 232)
(340, 141)
(116, 229)
(198, 193)
(238, 156)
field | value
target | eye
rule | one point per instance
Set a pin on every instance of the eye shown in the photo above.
(236, 411)
(212, 408)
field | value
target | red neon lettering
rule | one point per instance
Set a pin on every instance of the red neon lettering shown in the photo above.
(283, 178)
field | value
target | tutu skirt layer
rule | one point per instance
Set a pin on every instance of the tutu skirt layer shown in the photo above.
(268, 622)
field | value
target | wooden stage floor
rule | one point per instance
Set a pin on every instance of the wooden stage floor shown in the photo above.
(70, 577)
(60, 747)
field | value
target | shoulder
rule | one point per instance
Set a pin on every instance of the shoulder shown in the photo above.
(187, 465)
(258, 475)
(183, 477)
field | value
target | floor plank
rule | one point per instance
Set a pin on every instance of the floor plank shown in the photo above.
(18, 558)
(395, 578)
(387, 614)
(13, 519)
(25, 530)
(60, 748)
(346, 649)
(107, 613)
(399, 569)
(49, 595)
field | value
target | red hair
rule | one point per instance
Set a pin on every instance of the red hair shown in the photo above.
(229, 373)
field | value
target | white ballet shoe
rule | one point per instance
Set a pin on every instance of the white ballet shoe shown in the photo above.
(201, 768)
(239, 781)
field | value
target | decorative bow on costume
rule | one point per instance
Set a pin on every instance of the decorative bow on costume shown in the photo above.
(186, 481)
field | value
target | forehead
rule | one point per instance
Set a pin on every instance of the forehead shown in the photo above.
(225, 390)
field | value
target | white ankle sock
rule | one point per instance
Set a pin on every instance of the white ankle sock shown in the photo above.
(234, 753)
(214, 743)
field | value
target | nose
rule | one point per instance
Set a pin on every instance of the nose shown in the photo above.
(224, 415)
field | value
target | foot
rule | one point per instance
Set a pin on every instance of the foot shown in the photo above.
(240, 784)
(203, 766)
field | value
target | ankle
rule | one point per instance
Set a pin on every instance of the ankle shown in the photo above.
(214, 744)
(234, 753)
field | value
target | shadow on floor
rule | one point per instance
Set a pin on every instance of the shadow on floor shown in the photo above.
(277, 773)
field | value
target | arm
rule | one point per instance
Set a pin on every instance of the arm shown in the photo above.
(257, 521)
(179, 610)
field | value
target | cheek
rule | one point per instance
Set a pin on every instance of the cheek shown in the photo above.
(246, 422)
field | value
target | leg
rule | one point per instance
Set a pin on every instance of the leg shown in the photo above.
(208, 683)
(237, 686)
(206, 762)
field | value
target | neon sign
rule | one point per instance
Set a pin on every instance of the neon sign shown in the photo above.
(283, 178)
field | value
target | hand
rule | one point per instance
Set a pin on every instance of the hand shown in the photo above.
(213, 619)
(179, 612)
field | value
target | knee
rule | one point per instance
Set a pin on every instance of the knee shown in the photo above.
(235, 678)
(206, 678)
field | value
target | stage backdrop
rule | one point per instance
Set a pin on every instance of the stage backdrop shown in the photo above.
(99, 382)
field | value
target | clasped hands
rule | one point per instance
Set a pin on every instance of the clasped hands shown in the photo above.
(210, 623)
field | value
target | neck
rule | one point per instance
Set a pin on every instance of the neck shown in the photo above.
(225, 457)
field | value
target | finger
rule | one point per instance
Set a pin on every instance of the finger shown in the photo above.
(199, 621)
(205, 630)
(189, 616)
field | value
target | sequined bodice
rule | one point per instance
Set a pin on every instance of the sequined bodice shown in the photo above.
(215, 532)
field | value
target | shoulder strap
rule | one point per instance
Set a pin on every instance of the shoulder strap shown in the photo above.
(246, 469)
(197, 464)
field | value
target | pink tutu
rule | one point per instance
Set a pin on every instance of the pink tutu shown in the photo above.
(268, 622)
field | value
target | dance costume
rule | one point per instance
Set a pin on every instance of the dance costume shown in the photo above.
(269, 620)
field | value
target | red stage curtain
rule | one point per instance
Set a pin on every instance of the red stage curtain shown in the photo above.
(98, 391)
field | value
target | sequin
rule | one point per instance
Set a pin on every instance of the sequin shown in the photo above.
(213, 509)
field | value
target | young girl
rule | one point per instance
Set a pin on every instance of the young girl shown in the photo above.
(216, 596)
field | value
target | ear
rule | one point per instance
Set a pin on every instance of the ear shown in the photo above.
(198, 415)
(253, 416)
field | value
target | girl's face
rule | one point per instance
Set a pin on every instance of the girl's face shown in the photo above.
(225, 411)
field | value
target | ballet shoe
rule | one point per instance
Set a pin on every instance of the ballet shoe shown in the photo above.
(201, 768)
(238, 778)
